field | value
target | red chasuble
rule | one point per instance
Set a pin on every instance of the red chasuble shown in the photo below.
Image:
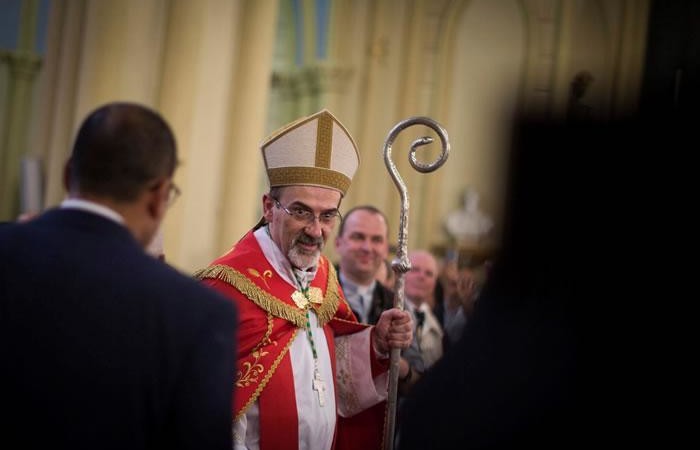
(269, 321)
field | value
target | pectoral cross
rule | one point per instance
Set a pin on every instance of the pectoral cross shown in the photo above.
(320, 388)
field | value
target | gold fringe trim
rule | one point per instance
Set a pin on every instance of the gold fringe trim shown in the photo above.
(199, 274)
(330, 303)
(274, 307)
(272, 304)
(266, 301)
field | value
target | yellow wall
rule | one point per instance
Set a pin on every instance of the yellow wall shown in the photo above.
(221, 73)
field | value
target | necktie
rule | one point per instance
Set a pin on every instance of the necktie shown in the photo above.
(420, 318)
(366, 299)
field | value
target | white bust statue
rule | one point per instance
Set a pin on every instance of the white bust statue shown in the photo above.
(468, 225)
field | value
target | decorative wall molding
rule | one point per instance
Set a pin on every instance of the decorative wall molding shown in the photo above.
(312, 80)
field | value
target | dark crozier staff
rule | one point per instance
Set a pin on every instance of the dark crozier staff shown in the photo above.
(400, 265)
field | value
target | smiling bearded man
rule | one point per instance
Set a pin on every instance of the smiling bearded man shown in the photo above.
(303, 359)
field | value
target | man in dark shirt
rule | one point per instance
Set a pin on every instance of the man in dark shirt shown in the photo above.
(102, 345)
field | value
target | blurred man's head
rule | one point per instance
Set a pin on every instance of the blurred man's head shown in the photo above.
(120, 149)
(421, 279)
(124, 157)
(362, 244)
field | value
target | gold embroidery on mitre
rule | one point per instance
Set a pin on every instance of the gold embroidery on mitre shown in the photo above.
(324, 141)
(333, 164)
(314, 176)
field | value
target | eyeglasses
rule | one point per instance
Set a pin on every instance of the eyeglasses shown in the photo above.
(306, 216)
(173, 193)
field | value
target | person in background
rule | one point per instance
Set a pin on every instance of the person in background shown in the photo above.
(386, 275)
(362, 245)
(565, 349)
(461, 291)
(420, 284)
(303, 357)
(102, 346)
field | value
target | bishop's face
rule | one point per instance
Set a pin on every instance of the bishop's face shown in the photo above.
(301, 220)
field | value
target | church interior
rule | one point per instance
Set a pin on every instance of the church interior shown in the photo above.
(226, 74)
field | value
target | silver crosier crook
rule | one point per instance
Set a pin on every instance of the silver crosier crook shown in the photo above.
(400, 265)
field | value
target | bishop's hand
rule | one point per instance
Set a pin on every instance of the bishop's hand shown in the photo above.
(394, 329)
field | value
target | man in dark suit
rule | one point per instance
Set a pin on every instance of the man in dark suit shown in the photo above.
(363, 245)
(103, 346)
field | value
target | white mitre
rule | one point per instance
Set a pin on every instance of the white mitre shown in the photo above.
(312, 151)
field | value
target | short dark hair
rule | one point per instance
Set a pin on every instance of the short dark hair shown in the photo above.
(119, 149)
(276, 192)
(368, 208)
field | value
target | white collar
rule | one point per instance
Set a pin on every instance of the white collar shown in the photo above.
(352, 287)
(278, 260)
(95, 208)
